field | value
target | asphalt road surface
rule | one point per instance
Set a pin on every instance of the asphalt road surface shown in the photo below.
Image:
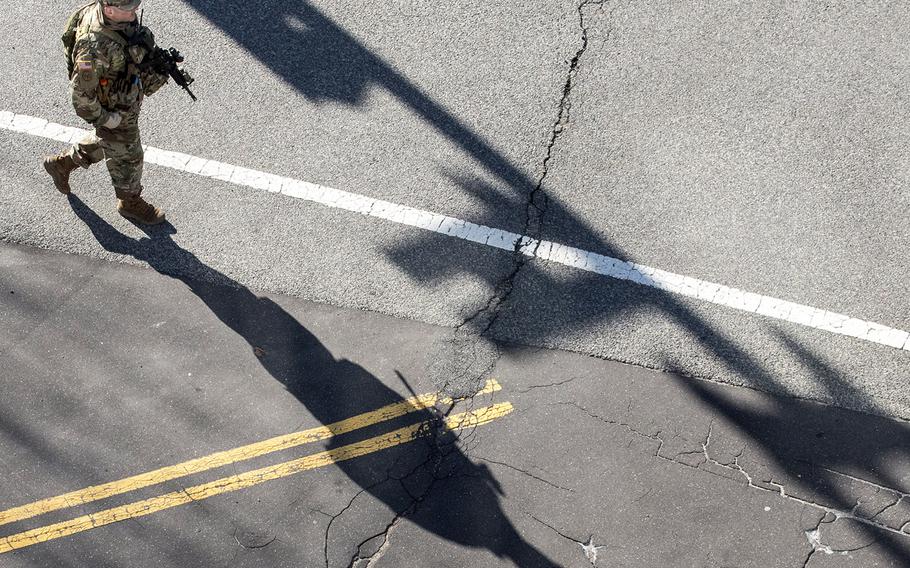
(761, 150)
(158, 420)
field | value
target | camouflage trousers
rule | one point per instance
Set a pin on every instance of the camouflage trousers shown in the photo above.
(121, 150)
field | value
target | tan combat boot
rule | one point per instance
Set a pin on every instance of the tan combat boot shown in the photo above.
(139, 210)
(60, 168)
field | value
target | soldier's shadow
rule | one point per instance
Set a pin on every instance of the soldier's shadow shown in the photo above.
(290, 353)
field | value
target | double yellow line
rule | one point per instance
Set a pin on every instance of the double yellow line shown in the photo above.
(241, 481)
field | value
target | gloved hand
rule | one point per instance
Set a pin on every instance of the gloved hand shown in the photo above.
(112, 121)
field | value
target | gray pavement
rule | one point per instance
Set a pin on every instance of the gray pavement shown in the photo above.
(762, 147)
(716, 142)
(111, 371)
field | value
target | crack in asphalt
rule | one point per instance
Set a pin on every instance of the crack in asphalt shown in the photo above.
(589, 549)
(815, 541)
(359, 561)
(813, 536)
(554, 529)
(350, 504)
(529, 474)
(654, 437)
(779, 489)
(551, 385)
(882, 510)
(254, 546)
(437, 455)
(441, 443)
(477, 326)
(533, 228)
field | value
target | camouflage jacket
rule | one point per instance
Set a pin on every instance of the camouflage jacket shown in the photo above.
(106, 75)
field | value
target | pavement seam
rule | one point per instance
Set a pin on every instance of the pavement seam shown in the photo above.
(861, 480)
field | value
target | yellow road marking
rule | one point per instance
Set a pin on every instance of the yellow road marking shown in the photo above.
(248, 479)
(219, 459)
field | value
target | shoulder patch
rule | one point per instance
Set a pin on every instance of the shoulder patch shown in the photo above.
(85, 70)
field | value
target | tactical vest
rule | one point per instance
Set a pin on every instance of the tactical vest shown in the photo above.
(123, 90)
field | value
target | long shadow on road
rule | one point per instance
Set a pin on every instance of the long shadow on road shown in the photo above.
(323, 61)
(323, 384)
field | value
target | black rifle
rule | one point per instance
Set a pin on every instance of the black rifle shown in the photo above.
(164, 62)
(161, 61)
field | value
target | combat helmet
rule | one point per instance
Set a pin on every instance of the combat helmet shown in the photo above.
(122, 4)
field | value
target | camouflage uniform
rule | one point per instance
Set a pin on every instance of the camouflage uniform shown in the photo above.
(106, 80)
(107, 83)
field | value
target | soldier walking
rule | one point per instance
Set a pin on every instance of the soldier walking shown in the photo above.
(105, 46)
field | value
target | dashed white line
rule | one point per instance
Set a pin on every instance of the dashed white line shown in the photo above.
(545, 250)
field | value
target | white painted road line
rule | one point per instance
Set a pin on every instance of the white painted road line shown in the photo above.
(544, 250)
